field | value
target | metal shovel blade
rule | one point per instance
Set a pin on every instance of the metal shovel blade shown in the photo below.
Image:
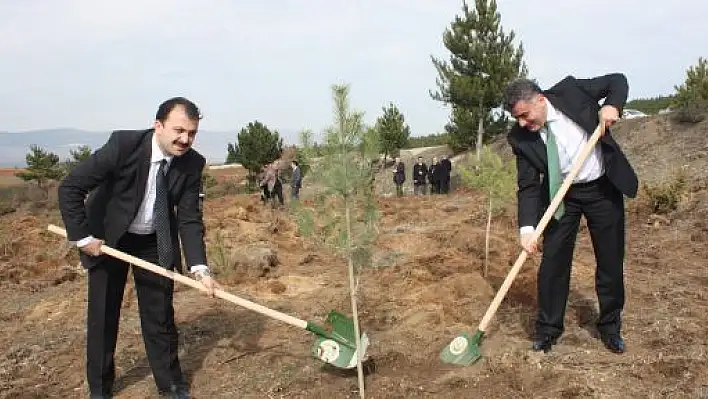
(463, 350)
(338, 347)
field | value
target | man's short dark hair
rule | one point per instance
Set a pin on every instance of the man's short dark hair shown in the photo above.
(166, 107)
(296, 164)
(519, 90)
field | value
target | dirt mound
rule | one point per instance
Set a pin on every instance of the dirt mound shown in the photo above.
(658, 147)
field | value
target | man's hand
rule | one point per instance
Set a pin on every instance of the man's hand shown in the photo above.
(529, 245)
(208, 282)
(608, 115)
(93, 248)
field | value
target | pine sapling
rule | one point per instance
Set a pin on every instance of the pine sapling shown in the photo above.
(343, 217)
(496, 179)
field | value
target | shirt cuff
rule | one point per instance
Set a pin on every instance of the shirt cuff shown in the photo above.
(198, 268)
(84, 241)
(526, 230)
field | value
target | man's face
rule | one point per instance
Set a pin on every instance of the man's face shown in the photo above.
(531, 114)
(175, 135)
(420, 161)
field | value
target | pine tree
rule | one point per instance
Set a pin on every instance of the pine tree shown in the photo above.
(343, 218)
(257, 146)
(42, 167)
(483, 61)
(691, 98)
(392, 129)
(232, 155)
(77, 155)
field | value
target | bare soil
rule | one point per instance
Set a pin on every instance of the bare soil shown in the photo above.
(426, 287)
(8, 178)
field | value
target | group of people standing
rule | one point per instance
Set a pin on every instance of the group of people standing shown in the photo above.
(272, 185)
(437, 175)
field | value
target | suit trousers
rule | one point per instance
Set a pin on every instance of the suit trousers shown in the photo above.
(155, 293)
(603, 207)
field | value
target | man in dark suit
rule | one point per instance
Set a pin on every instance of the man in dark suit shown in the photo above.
(134, 183)
(399, 176)
(552, 128)
(445, 170)
(420, 171)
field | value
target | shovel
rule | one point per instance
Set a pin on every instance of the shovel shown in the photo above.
(464, 350)
(336, 347)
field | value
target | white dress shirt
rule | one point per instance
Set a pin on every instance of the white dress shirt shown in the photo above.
(571, 139)
(143, 222)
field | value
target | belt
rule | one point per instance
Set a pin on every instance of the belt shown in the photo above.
(595, 182)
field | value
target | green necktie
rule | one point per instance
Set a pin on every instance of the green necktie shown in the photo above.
(554, 171)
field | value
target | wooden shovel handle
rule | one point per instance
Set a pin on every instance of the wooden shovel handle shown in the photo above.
(557, 199)
(192, 283)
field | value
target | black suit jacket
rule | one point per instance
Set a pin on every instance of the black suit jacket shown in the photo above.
(577, 99)
(420, 171)
(114, 179)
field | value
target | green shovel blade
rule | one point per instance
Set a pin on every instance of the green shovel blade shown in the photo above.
(462, 350)
(337, 346)
(337, 354)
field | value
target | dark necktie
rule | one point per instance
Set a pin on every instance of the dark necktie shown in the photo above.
(162, 219)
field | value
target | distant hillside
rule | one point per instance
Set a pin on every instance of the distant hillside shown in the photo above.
(650, 106)
(14, 146)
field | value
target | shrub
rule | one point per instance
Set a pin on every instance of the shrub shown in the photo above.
(691, 101)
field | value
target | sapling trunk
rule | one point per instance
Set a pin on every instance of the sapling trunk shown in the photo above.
(353, 296)
(486, 239)
(480, 130)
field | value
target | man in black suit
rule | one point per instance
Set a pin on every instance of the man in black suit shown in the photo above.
(420, 171)
(552, 128)
(445, 170)
(134, 183)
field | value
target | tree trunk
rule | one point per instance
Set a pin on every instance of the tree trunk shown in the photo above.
(353, 296)
(486, 239)
(480, 131)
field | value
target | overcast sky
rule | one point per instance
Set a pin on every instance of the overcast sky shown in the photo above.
(104, 65)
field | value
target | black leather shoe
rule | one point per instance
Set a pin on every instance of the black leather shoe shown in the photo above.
(176, 392)
(544, 343)
(614, 343)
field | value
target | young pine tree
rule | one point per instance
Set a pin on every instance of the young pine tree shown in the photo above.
(497, 180)
(393, 130)
(42, 167)
(257, 145)
(344, 215)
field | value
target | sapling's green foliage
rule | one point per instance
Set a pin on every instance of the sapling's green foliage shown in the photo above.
(497, 180)
(343, 176)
